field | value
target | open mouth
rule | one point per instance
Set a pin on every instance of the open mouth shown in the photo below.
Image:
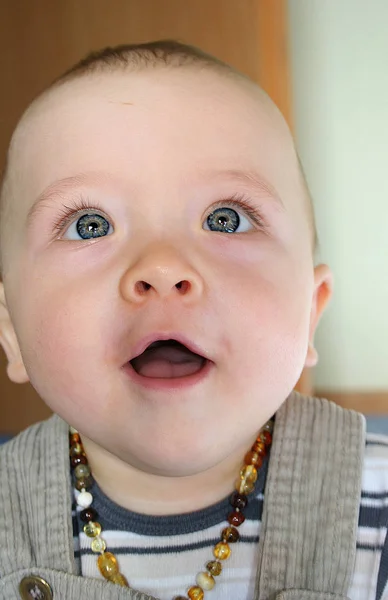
(167, 359)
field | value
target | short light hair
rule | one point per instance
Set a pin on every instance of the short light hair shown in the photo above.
(139, 57)
(162, 53)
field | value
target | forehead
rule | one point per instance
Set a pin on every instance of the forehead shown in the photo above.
(157, 126)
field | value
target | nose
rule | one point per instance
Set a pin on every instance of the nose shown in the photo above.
(161, 273)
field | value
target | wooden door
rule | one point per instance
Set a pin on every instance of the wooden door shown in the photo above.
(40, 39)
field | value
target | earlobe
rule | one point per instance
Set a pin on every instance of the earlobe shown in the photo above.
(15, 369)
(323, 291)
(311, 356)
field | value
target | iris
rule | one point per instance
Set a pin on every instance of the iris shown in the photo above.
(92, 226)
(223, 219)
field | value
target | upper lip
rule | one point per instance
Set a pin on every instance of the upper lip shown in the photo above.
(146, 341)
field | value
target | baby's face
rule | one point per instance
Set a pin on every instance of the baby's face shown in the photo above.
(163, 160)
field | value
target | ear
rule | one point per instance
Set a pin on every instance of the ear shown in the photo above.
(15, 368)
(323, 291)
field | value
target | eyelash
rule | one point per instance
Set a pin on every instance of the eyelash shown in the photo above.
(83, 205)
(68, 212)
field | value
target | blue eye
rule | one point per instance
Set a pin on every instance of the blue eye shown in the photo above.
(89, 226)
(227, 220)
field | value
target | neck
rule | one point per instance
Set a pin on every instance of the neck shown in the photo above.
(134, 489)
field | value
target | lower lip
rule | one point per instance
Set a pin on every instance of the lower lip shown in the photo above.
(176, 383)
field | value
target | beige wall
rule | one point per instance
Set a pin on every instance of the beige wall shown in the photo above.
(339, 68)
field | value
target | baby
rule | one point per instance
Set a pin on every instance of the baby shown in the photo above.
(160, 294)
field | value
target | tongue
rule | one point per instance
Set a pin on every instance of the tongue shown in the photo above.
(167, 362)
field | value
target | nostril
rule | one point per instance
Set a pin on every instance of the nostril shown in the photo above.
(142, 287)
(183, 286)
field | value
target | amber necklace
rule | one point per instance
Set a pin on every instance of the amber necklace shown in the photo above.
(108, 563)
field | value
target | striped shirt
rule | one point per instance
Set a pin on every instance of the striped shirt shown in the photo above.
(162, 555)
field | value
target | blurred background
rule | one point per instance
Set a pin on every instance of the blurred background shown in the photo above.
(325, 63)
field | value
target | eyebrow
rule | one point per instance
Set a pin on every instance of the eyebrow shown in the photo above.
(252, 179)
(57, 188)
(247, 177)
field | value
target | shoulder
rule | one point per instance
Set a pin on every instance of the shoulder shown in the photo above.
(20, 445)
(24, 451)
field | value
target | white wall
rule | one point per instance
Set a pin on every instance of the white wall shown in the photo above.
(339, 65)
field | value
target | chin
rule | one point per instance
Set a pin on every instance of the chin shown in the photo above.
(173, 462)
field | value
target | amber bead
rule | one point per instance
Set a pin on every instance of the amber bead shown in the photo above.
(205, 581)
(92, 529)
(259, 448)
(238, 500)
(107, 564)
(265, 437)
(84, 483)
(79, 459)
(76, 449)
(98, 545)
(249, 473)
(244, 487)
(236, 518)
(221, 551)
(230, 534)
(88, 514)
(253, 458)
(214, 567)
(119, 579)
(84, 499)
(195, 593)
(82, 471)
(269, 426)
(248, 477)
(75, 438)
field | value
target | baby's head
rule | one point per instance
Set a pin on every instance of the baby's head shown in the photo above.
(155, 194)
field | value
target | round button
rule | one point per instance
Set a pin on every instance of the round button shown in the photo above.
(35, 588)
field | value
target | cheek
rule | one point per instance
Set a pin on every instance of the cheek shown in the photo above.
(60, 340)
(269, 320)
